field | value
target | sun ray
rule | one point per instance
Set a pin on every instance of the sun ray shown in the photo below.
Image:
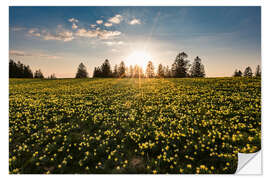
(139, 57)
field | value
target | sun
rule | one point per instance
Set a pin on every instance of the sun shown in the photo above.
(140, 58)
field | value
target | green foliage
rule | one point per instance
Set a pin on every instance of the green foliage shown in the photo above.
(171, 125)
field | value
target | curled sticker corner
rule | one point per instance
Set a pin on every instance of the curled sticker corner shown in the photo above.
(249, 163)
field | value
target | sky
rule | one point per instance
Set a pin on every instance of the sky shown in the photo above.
(57, 39)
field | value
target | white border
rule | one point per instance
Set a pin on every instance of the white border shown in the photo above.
(4, 75)
(138, 2)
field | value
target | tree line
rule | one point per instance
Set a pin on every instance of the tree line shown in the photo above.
(248, 72)
(19, 70)
(181, 68)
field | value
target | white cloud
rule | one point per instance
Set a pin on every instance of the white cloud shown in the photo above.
(134, 21)
(108, 24)
(48, 56)
(18, 28)
(99, 33)
(60, 35)
(34, 32)
(116, 19)
(115, 50)
(99, 21)
(103, 34)
(18, 53)
(86, 33)
(74, 21)
(74, 26)
(113, 43)
(65, 35)
(93, 25)
(23, 53)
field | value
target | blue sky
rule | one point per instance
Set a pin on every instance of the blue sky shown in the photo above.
(57, 39)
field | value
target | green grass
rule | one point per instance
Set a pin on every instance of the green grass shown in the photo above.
(132, 125)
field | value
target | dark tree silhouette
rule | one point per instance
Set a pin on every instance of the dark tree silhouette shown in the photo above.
(240, 73)
(248, 72)
(197, 68)
(150, 70)
(27, 72)
(81, 72)
(167, 72)
(122, 70)
(52, 76)
(97, 72)
(115, 71)
(19, 70)
(106, 69)
(237, 73)
(180, 66)
(258, 72)
(38, 74)
(160, 72)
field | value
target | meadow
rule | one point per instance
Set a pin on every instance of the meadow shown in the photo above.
(93, 126)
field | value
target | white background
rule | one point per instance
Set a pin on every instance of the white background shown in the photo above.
(4, 44)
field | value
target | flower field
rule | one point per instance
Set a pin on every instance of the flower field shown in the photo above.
(94, 126)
